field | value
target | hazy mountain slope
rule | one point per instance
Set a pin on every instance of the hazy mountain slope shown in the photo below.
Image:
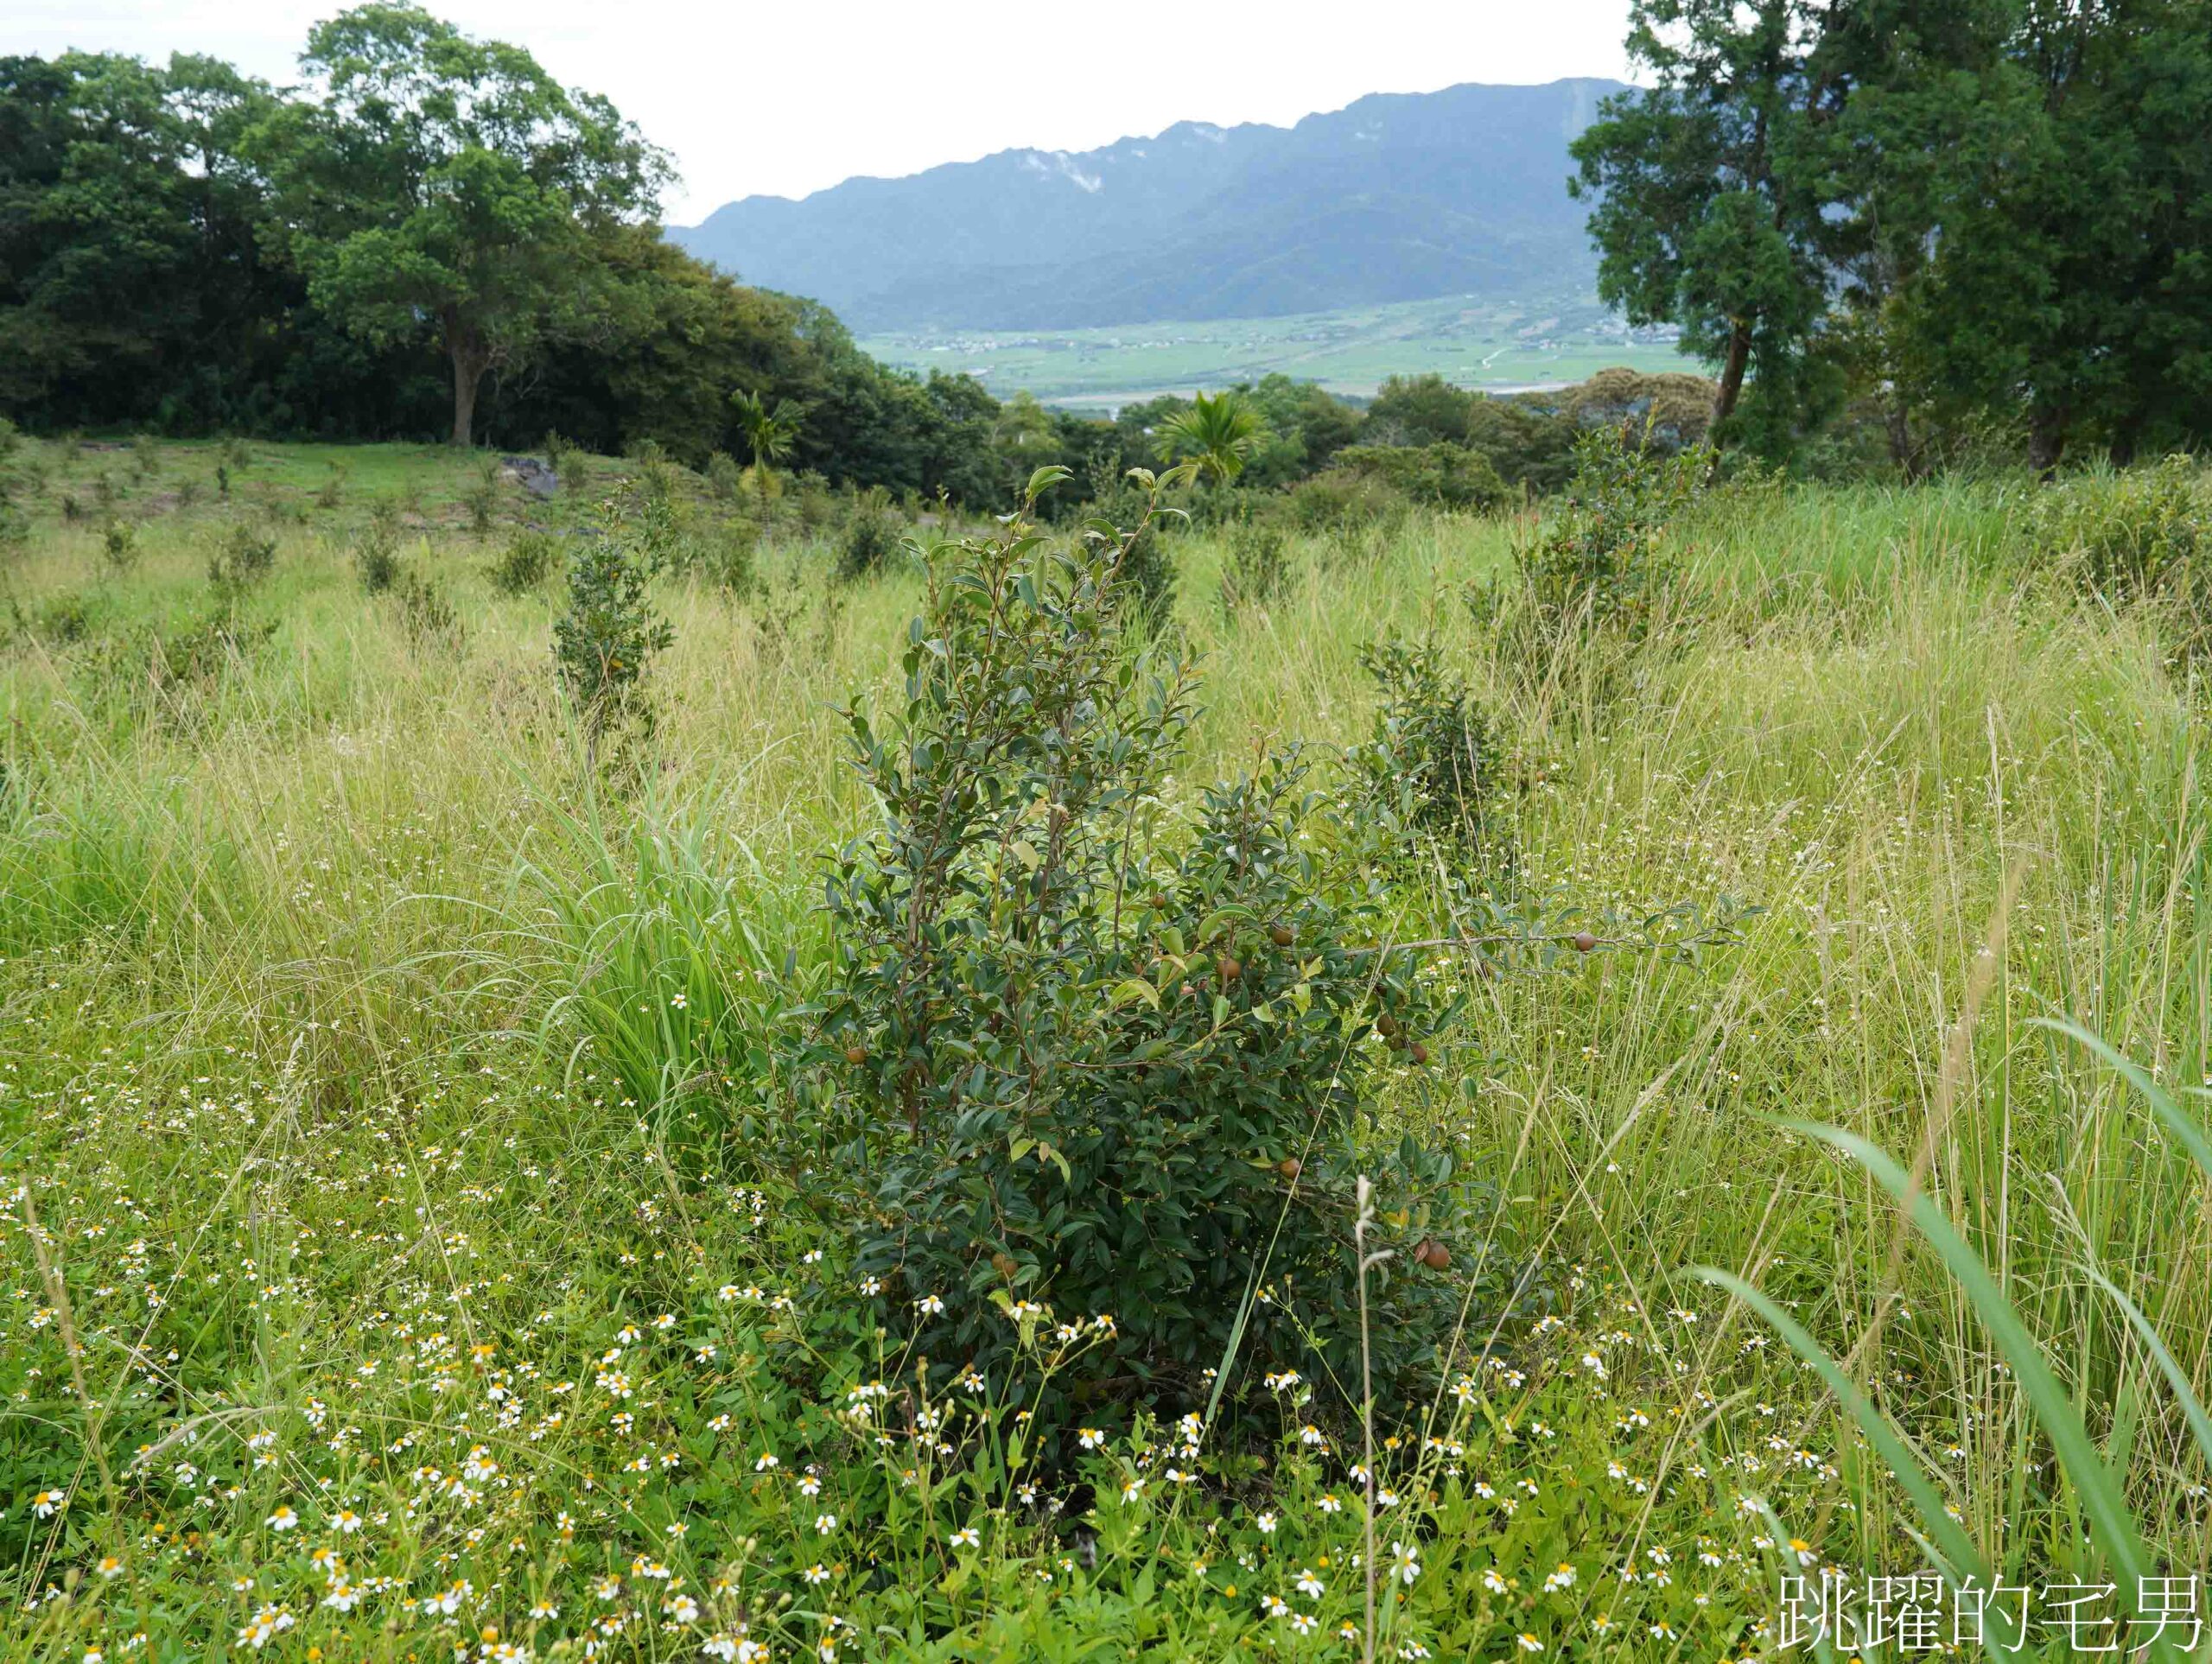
(1397, 197)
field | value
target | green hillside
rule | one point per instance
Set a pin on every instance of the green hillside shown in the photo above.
(1473, 340)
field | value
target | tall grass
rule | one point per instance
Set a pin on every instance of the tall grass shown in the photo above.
(1970, 806)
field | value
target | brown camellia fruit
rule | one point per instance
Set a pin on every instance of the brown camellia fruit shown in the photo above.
(1229, 969)
(1160, 901)
(1282, 935)
(1434, 1254)
(1386, 1026)
(1583, 941)
(856, 1055)
(1418, 1053)
(1290, 1167)
(1003, 1263)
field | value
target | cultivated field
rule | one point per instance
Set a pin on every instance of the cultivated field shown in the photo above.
(403, 1260)
(1545, 340)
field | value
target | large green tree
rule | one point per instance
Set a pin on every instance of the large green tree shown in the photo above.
(1957, 209)
(130, 275)
(1906, 83)
(2071, 273)
(674, 339)
(446, 184)
(1697, 221)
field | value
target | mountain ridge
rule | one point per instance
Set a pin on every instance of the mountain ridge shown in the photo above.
(1395, 197)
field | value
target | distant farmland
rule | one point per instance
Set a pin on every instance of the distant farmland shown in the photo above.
(1502, 344)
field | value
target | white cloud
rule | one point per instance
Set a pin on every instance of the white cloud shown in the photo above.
(788, 99)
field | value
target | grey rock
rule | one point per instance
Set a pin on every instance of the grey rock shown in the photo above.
(533, 476)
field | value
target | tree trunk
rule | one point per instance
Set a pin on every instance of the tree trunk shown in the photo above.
(2046, 438)
(465, 378)
(470, 360)
(2125, 438)
(1731, 373)
(1904, 451)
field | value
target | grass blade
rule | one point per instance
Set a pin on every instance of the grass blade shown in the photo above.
(2161, 1101)
(2199, 1423)
(2114, 1525)
(1958, 1557)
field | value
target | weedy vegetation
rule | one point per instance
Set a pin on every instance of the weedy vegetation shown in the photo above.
(1371, 1079)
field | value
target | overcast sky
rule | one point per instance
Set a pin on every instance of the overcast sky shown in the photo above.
(785, 98)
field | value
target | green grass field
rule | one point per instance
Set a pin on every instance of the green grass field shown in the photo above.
(380, 1285)
(1545, 341)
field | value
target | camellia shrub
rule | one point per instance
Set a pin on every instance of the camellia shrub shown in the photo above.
(376, 555)
(873, 535)
(525, 563)
(1434, 741)
(1147, 571)
(119, 546)
(1605, 554)
(607, 633)
(1589, 589)
(239, 559)
(1255, 567)
(1097, 1055)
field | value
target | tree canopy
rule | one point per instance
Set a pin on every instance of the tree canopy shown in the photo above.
(1698, 216)
(1953, 209)
(435, 236)
(446, 184)
(129, 266)
(1932, 227)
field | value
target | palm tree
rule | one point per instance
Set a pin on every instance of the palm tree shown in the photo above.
(770, 434)
(1214, 435)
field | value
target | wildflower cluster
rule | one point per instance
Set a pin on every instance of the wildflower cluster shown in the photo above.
(568, 1421)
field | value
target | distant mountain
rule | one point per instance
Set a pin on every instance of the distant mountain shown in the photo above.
(1397, 197)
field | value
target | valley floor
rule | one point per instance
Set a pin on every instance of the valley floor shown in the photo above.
(1497, 346)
